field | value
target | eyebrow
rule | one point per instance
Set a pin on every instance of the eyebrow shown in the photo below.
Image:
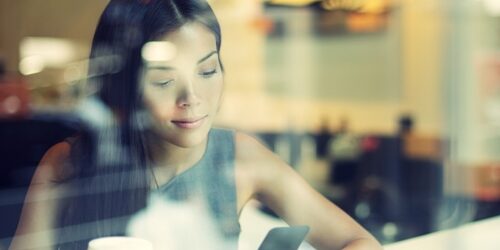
(160, 67)
(206, 57)
(164, 67)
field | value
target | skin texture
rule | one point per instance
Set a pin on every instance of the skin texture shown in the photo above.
(188, 87)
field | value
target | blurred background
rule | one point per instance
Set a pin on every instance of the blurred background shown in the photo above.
(390, 108)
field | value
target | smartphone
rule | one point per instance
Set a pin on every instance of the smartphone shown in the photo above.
(284, 238)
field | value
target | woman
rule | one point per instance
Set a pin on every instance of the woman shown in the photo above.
(155, 64)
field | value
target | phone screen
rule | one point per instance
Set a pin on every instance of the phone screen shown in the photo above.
(284, 238)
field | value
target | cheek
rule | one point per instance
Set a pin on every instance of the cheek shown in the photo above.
(160, 106)
(214, 93)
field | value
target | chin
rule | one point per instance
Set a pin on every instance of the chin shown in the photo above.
(189, 139)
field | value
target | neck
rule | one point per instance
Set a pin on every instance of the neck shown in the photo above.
(182, 158)
(172, 159)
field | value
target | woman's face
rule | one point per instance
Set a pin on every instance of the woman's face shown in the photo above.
(183, 90)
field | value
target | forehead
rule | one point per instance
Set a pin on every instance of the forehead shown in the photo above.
(191, 38)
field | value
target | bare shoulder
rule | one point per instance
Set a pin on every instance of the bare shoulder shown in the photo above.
(260, 163)
(54, 164)
(248, 146)
(250, 151)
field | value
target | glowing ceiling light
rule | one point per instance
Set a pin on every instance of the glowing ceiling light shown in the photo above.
(293, 2)
(375, 6)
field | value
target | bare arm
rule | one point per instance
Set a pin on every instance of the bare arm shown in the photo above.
(35, 229)
(293, 199)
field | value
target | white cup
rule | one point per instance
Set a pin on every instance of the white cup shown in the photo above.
(120, 243)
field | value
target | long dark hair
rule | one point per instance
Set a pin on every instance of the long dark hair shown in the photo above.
(111, 162)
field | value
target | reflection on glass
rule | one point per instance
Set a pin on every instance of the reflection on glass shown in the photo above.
(387, 108)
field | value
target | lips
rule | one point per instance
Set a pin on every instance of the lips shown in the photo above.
(189, 123)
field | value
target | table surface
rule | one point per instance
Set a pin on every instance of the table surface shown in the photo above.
(482, 235)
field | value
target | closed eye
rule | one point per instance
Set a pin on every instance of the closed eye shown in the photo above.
(163, 83)
(209, 73)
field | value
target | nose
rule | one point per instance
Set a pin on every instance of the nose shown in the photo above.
(188, 97)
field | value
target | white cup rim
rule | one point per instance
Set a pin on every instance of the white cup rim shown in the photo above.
(119, 242)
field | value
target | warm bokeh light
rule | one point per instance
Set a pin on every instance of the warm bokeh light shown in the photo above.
(158, 51)
(31, 65)
(54, 52)
(388, 108)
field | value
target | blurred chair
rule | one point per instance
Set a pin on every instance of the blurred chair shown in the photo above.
(394, 189)
(379, 175)
(422, 190)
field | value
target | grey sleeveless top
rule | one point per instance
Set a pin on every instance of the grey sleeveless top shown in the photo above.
(213, 178)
